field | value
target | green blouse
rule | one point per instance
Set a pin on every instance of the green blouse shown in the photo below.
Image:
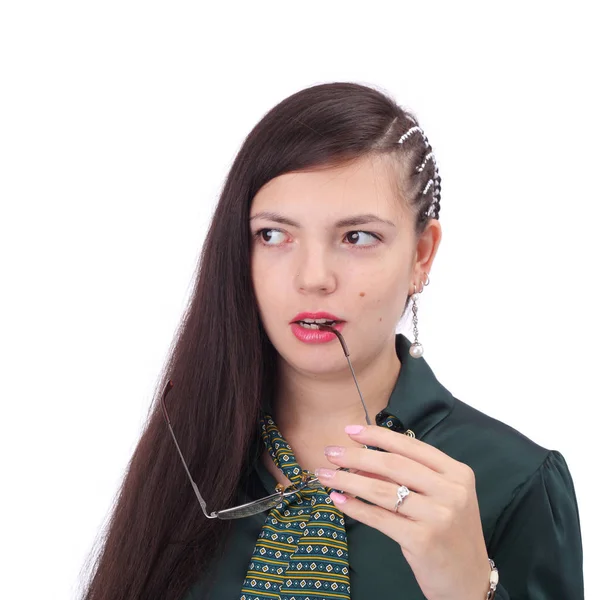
(525, 493)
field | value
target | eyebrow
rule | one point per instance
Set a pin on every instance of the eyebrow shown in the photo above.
(347, 222)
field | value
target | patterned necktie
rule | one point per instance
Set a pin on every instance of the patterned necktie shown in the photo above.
(301, 552)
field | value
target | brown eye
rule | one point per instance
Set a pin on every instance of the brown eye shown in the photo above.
(354, 237)
(269, 235)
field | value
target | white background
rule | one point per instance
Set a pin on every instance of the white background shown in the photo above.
(118, 123)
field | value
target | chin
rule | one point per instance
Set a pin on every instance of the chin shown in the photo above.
(313, 358)
(317, 367)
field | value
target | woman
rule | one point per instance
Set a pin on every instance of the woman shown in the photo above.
(325, 233)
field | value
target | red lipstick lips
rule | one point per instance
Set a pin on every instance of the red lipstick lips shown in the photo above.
(311, 334)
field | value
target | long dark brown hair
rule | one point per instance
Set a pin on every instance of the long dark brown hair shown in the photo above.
(157, 542)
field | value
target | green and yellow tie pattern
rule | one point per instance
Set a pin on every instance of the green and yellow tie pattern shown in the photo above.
(301, 552)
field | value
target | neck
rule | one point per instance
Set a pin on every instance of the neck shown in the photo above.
(317, 406)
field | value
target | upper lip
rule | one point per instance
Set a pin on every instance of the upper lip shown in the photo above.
(315, 315)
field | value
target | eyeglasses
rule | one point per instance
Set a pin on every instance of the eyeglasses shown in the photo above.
(268, 502)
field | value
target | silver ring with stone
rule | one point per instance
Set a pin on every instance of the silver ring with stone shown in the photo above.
(401, 493)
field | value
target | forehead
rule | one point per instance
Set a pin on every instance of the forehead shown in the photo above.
(367, 184)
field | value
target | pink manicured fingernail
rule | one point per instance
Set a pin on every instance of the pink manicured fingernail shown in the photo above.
(338, 498)
(353, 429)
(334, 451)
(322, 473)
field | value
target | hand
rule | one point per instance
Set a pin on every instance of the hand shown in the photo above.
(438, 525)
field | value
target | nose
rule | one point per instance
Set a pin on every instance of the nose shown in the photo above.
(314, 272)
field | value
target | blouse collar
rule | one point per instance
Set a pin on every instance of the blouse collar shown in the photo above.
(418, 399)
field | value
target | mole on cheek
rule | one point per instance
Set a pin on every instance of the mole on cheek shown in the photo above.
(361, 294)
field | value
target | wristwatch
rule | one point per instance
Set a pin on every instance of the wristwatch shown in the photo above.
(494, 579)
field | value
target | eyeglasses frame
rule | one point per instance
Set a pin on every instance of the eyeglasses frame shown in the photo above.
(268, 502)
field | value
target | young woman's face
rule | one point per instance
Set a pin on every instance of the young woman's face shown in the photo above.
(304, 260)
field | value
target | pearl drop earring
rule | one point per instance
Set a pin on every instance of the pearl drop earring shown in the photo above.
(416, 348)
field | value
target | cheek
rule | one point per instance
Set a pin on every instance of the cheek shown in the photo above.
(259, 278)
(385, 298)
(269, 293)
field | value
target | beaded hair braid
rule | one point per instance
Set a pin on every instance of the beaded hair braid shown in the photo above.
(434, 181)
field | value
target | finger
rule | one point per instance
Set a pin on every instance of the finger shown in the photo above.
(383, 493)
(398, 443)
(394, 467)
(399, 529)
(372, 475)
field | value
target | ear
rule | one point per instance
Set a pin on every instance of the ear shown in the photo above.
(426, 248)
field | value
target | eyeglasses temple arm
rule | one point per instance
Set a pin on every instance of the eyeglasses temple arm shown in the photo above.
(196, 490)
(347, 353)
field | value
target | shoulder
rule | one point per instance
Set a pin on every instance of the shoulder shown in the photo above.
(481, 437)
(503, 459)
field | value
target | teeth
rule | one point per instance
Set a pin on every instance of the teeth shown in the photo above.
(308, 325)
(314, 323)
(322, 321)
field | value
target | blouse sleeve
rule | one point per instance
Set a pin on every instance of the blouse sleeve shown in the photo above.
(536, 544)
